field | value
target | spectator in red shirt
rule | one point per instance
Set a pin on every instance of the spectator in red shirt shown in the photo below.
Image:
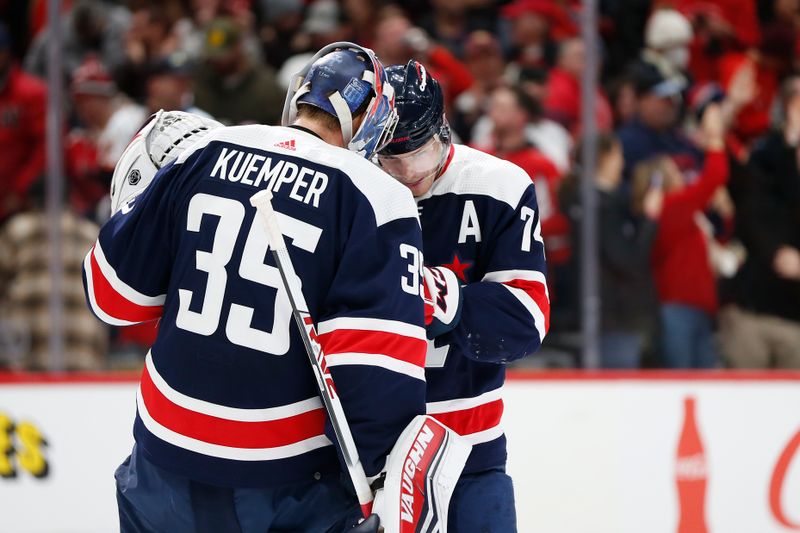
(720, 26)
(23, 101)
(563, 100)
(550, 138)
(770, 65)
(109, 121)
(510, 110)
(685, 282)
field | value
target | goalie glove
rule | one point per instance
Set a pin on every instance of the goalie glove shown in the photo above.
(160, 141)
(421, 474)
(442, 298)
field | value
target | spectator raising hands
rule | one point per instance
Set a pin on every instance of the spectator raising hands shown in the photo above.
(686, 284)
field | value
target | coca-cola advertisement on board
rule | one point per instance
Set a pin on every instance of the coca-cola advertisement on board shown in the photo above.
(691, 474)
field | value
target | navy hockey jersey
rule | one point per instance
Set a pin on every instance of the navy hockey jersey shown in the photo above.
(227, 395)
(481, 220)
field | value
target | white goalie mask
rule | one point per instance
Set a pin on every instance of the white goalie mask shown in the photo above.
(160, 141)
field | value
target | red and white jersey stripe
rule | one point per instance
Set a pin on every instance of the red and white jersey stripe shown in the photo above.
(111, 299)
(228, 432)
(390, 344)
(530, 288)
(477, 419)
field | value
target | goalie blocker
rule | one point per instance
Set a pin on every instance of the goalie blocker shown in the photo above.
(421, 475)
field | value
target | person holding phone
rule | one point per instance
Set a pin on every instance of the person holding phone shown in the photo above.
(626, 235)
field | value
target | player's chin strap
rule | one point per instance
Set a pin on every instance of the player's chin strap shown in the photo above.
(421, 475)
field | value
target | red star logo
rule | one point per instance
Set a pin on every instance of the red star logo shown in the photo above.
(458, 267)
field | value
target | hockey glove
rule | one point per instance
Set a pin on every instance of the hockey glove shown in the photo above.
(442, 300)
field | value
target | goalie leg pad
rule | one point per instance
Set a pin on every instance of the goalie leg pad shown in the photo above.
(421, 474)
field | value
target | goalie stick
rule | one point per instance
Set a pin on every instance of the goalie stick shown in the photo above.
(262, 201)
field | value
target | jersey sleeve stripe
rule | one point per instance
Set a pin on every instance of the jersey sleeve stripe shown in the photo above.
(472, 420)
(538, 293)
(112, 302)
(377, 360)
(96, 309)
(503, 276)
(371, 324)
(459, 404)
(223, 411)
(221, 451)
(486, 435)
(408, 349)
(125, 290)
(224, 432)
(536, 305)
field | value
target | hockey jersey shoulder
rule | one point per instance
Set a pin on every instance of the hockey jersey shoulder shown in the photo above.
(474, 172)
(389, 199)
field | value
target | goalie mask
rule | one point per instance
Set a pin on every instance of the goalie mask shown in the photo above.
(160, 141)
(341, 79)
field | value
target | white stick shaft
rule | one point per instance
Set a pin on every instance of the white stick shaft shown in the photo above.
(262, 201)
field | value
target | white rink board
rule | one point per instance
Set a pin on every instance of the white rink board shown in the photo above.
(88, 427)
(587, 456)
(599, 456)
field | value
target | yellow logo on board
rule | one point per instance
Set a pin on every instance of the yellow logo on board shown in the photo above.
(21, 447)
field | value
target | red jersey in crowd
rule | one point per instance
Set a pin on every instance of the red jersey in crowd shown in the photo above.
(740, 16)
(563, 103)
(87, 186)
(452, 74)
(547, 179)
(22, 138)
(680, 258)
(753, 119)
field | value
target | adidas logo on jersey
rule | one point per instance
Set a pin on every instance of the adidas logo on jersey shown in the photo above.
(286, 145)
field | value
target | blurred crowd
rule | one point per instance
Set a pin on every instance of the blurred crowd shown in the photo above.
(698, 156)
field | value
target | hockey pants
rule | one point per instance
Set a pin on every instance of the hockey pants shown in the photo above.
(483, 503)
(152, 500)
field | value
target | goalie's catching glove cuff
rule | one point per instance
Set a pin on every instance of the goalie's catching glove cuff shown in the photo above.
(442, 300)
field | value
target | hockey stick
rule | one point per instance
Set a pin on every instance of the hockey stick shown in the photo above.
(262, 201)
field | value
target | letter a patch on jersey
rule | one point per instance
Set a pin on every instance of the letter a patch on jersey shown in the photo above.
(469, 224)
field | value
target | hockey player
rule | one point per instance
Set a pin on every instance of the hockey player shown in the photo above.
(480, 221)
(231, 435)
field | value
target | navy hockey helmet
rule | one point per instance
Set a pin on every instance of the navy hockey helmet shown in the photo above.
(340, 79)
(420, 106)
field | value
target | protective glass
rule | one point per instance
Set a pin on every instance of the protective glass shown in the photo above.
(413, 166)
